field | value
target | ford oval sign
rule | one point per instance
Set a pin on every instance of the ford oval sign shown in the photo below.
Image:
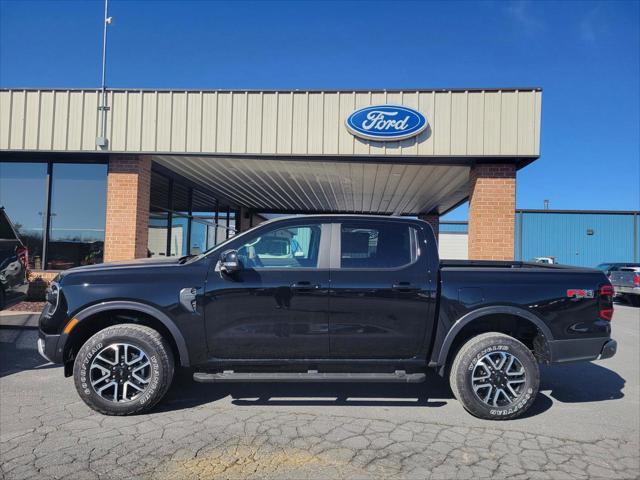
(386, 122)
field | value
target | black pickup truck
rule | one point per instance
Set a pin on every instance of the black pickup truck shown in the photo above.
(337, 298)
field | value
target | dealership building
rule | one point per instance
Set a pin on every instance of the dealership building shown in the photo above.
(168, 172)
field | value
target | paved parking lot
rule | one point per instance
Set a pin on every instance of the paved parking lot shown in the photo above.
(585, 424)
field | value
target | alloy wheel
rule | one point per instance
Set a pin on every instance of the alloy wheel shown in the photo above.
(498, 379)
(120, 372)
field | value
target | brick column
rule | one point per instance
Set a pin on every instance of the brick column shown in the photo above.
(492, 204)
(432, 219)
(127, 223)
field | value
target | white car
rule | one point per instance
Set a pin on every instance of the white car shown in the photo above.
(547, 260)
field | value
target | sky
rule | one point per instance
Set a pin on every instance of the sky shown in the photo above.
(584, 55)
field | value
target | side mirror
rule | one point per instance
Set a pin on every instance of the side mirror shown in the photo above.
(229, 263)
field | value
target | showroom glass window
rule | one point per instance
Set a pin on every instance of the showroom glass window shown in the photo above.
(185, 220)
(23, 194)
(158, 215)
(77, 215)
(68, 197)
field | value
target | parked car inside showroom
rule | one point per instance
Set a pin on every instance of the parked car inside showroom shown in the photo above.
(13, 261)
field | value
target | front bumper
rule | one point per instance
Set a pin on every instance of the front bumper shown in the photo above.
(583, 349)
(48, 347)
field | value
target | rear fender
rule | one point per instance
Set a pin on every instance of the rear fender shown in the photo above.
(483, 312)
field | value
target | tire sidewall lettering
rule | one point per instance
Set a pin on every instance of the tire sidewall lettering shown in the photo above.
(467, 364)
(155, 381)
(494, 348)
(522, 401)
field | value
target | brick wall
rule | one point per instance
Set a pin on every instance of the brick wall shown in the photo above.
(492, 204)
(432, 219)
(128, 190)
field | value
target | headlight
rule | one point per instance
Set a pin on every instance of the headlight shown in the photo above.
(52, 295)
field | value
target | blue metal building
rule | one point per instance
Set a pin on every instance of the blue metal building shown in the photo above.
(574, 237)
(578, 237)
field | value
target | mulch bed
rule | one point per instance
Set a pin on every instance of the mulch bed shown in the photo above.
(26, 306)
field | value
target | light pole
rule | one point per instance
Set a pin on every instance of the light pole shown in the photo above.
(101, 140)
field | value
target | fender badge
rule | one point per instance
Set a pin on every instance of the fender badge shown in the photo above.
(579, 293)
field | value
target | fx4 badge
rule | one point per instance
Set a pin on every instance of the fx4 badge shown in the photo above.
(579, 293)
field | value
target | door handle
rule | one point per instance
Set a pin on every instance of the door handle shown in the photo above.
(303, 286)
(404, 287)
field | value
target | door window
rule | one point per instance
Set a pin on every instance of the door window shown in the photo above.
(377, 245)
(286, 247)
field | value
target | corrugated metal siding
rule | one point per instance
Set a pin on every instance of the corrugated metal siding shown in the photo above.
(564, 236)
(468, 123)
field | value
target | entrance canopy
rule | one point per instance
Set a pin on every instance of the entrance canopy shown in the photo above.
(287, 185)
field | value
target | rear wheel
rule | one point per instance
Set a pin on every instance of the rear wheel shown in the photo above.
(495, 377)
(123, 369)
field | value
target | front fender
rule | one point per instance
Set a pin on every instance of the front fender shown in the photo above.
(143, 308)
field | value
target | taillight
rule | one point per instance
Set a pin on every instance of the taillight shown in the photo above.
(23, 255)
(606, 313)
(636, 279)
(606, 290)
(605, 301)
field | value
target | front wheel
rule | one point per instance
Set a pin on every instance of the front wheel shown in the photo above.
(123, 369)
(495, 377)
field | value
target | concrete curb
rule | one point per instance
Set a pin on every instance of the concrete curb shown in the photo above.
(19, 319)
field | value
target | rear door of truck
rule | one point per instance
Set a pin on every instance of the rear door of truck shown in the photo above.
(382, 295)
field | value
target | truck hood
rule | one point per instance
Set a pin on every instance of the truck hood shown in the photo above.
(138, 263)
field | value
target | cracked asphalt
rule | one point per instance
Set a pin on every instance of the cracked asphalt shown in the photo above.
(584, 424)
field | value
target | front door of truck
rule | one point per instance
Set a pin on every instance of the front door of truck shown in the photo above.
(276, 306)
(381, 300)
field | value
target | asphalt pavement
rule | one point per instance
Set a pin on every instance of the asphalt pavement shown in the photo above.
(584, 424)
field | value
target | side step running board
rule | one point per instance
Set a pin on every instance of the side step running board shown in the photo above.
(310, 376)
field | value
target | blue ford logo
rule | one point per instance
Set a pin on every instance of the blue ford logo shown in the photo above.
(386, 122)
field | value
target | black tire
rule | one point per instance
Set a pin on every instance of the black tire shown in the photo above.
(465, 361)
(149, 341)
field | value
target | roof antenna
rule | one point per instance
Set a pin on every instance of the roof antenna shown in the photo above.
(102, 141)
